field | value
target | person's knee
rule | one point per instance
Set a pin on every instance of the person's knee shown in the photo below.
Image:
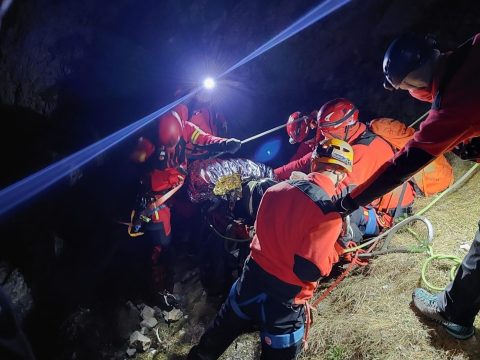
(282, 341)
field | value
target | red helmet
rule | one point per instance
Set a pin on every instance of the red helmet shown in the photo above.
(335, 115)
(297, 130)
(170, 129)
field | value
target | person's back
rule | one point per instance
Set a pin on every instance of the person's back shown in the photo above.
(293, 232)
(371, 152)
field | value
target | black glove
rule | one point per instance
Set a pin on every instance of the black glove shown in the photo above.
(226, 146)
(345, 205)
(469, 150)
(232, 145)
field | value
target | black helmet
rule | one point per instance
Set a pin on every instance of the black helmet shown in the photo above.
(404, 55)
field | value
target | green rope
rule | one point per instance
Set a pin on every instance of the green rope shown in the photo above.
(419, 119)
(453, 270)
(424, 245)
(455, 186)
(432, 257)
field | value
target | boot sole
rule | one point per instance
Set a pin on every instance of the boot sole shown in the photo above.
(445, 324)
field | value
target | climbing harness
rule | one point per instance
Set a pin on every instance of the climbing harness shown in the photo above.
(151, 209)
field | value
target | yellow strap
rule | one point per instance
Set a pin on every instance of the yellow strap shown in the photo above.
(158, 202)
(195, 136)
(133, 234)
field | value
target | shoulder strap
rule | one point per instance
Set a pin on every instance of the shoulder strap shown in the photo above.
(454, 62)
(365, 139)
(315, 193)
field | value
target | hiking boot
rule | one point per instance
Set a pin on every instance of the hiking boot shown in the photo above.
(427, 304)
(167, 301)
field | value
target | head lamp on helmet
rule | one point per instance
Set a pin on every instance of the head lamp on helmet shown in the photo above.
(334, 152)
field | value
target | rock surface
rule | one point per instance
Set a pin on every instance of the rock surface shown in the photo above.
(149, 323)
(147, 313)
(139, 342)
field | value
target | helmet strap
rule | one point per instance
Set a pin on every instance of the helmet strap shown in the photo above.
(347, 130)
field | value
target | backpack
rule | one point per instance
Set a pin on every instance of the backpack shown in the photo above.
(432, 179)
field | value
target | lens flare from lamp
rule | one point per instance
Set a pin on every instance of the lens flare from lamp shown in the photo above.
(209, 83)
(268, 151)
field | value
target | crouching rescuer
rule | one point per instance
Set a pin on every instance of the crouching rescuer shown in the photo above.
(295, 245)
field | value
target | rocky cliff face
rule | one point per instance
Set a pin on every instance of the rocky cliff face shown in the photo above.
(56, 53)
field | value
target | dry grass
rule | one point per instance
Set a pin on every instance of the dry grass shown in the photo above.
(369, 315)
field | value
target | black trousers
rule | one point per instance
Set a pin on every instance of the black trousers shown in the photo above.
(247, 308)
(460, 302)
(162, 257)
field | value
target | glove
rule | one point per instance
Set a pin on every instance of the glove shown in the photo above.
(227, 145)
(232, 145)
(469, 150)
(345, 205)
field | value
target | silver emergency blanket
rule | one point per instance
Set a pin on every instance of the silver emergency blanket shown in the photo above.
(204, 175)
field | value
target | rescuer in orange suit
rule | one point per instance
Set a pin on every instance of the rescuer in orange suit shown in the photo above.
(451, 83)
(295, 245)
(206, 116)
(338, 118)
(166, 169)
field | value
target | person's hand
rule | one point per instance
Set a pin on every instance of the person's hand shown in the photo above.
(232, 145)
(345, 205)
(468, 150)
(226, 146)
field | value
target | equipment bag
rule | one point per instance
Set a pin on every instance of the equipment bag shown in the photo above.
(432, 179)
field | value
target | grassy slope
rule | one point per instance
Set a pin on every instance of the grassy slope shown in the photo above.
(370, 316)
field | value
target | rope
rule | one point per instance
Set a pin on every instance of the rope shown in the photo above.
(452, 188)
(259, 135)
(254, 137)
(355, 262)
(361, 256)
(419, 119)
(219, 234)
(424, 245)
(388, 235)
(453, 270)
(432, 257)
